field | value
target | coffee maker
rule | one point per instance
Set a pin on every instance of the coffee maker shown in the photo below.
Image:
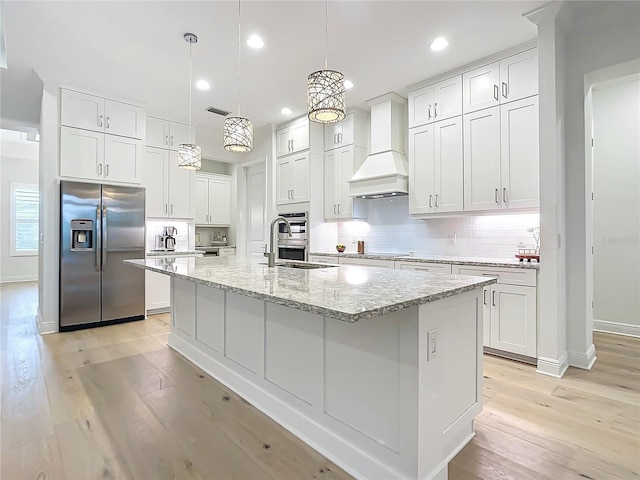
(168, 239)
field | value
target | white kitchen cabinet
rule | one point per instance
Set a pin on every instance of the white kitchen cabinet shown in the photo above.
(424, 266)
(212, 199)
(501, 157)
(169, 188)
(293, 137)
(324, 259)
(366, 262)
(339, 166)
(157, 292)
(436, 167)
(350, 131)
(436, 102)
(86, 154)
(510, 79)
(510, 308)
(166, 134)
(90, 112)
(226, 251)
(292, 179)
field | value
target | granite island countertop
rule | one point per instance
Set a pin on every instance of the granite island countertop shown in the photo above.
(476, 261)
(347, 293)
(174, 253)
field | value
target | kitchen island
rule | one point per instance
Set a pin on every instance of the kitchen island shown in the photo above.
(379, 370)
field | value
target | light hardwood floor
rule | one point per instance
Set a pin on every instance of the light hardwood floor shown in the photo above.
(116, 402)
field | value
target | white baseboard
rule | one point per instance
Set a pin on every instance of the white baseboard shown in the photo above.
(583, 360)
(45, 327)
(552, 367)
(18, 279)
(616, 328)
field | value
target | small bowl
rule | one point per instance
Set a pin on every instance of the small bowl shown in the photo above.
(341, 248)
(412, 253)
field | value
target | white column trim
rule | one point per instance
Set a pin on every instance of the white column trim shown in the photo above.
(583, 360)
(552, 367)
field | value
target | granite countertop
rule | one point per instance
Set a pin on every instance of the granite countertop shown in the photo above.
(347, 293)
(175, 253)
(477, 261)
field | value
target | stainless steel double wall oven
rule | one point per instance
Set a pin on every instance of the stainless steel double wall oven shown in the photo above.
(295, 247)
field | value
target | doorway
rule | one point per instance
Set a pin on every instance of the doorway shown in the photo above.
(256, 202)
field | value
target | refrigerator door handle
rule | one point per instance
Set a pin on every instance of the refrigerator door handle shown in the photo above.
(98, 234)
(104, 237)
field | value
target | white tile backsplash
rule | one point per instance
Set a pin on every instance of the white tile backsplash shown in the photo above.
(390, 229)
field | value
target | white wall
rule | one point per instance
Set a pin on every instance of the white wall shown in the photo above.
(616, 206)
(390, 229)
(18, 163)
(602, 34)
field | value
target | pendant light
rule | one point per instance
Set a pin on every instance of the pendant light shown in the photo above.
(326, 95)
(238, 131)
(190, 154)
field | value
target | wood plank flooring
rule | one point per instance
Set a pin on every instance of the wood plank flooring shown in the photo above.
(116, 402)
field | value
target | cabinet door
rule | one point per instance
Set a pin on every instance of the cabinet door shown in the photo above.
(300, 191)
(81, 153)
(424, 266)
(421, 106)
(367, 262)
(482, 160)
(332, 178)
(155, 177)
(179, 134)
(157, 134)
(486, 316)
(331, 135)
(421, 169)
(480, 88)
(513, 319)
(124, 119)
(201, 198)
(323, 259)
(346, 169)
(219, 201)
(519, 153)
(448, 165)
(519, 76)
(283, 141)
(447, 98)
(300, 135)
(180, 189)
(284, 180)
(81, 111)
(339, 134)
(157, 290)
(122, 159)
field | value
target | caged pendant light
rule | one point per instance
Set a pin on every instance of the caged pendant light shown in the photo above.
(326, 95)
(190, 154)
(238, 131)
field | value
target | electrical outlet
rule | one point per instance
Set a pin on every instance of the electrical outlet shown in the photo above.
(432, 344)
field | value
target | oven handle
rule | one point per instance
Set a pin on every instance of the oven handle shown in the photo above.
(294, 247)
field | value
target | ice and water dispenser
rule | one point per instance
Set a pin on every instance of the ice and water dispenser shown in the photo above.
(81, 235)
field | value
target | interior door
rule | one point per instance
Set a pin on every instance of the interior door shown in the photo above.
(256, 209)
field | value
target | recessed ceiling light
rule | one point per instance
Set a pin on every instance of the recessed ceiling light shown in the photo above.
(255, 41)
(439, 43)
(286, 111)
(203, 85)
(348, 84)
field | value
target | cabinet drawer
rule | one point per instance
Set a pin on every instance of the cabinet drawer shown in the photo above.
(367, 262)
(424, 266)
(512, 276)
(323, 259)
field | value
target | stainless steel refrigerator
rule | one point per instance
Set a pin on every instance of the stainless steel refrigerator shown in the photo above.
(100, 226)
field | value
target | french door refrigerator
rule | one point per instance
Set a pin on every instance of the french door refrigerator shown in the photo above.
(100, 226)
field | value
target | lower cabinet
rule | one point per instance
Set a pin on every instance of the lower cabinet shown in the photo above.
(366, 262)
(157, 292)
(510, 309)
(323, 259)
(424, 266)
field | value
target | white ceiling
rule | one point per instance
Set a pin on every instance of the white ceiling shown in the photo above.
(135, 50)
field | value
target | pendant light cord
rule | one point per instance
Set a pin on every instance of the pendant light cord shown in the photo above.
(239, 53)
(190, 80)
(326, 34)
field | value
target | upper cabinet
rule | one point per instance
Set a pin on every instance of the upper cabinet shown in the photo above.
(213, 199)
(292, 179)
(352, 130)
(97, 114)
(339, 166)
(436, 102)
(168, 187)
(510, 79)
(293, 138)
(166, 134)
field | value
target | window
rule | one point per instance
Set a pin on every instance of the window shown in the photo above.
(25, 203)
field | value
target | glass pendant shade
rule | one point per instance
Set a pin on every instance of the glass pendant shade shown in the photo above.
(238, 134)
(326, 96)
(189, 156)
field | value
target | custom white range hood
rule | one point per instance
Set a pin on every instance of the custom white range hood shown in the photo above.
(384, 173)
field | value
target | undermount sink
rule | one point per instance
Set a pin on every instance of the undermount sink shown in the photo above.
(303, 265)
